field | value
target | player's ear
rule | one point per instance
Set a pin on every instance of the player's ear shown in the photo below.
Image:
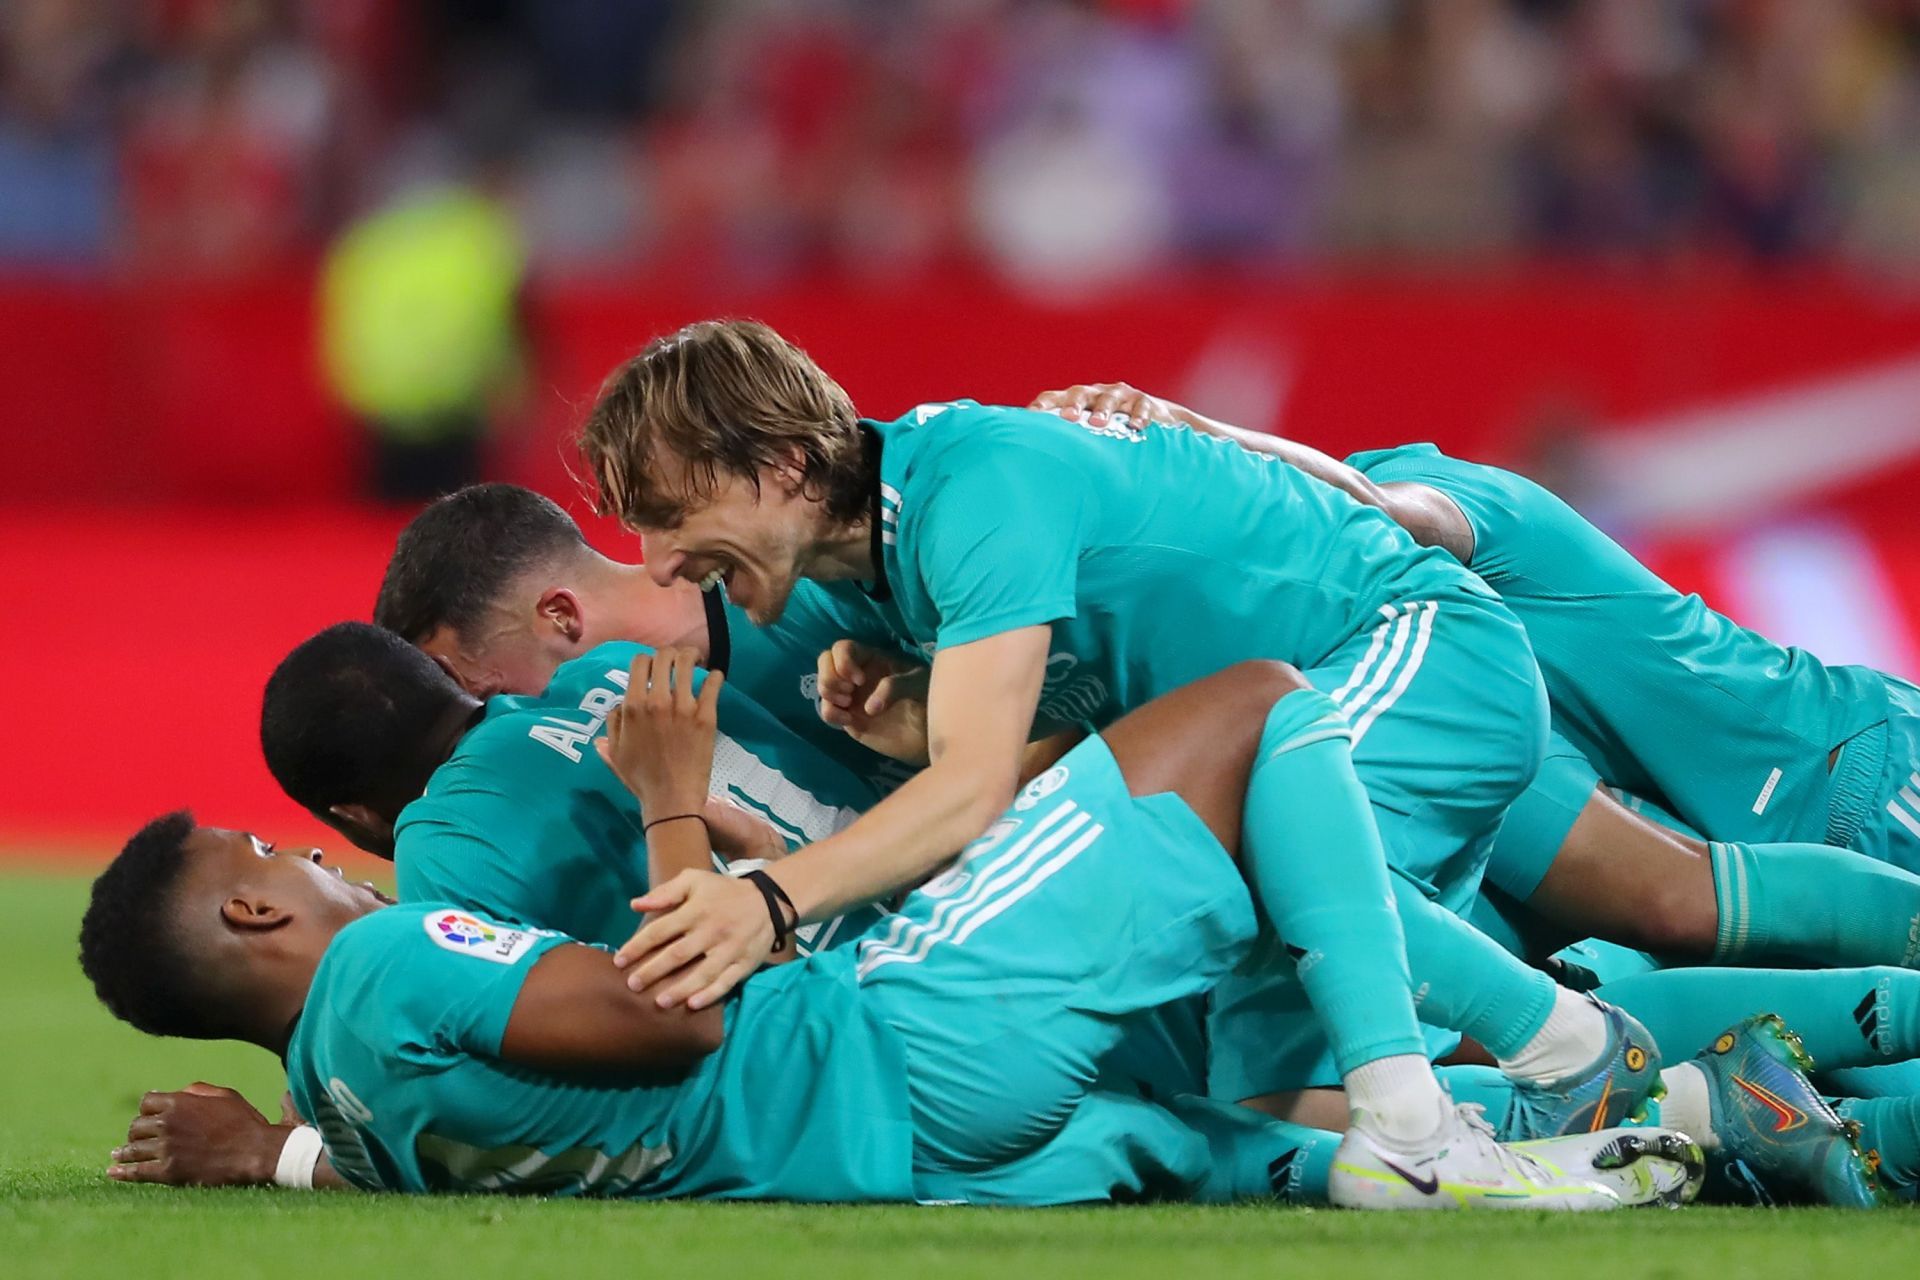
(791, 468)
(253, 913)
(558, 610)
(362, 825)
(477, 679)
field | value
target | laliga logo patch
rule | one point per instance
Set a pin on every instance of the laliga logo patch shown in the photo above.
(1042, 787)
(464, 935)
(810, 687)
(463, 931)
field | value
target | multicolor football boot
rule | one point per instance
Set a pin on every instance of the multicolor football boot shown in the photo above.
(1777, 1136)
(1613, 1091)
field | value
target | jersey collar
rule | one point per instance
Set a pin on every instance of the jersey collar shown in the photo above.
(719, 631)
(878, 588)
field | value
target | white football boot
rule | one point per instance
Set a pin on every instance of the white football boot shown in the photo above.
(1461, 1167)
(1659, 1167)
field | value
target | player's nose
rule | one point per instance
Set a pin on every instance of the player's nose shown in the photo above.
(662, 558)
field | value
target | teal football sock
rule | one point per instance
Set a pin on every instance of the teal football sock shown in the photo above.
(1890, 1126)
(1845, 1017)
(1895, 1080)
(1312, 856)
(1488, 1088)
(1467, 981)
(1255, 1156)
(1813, 903)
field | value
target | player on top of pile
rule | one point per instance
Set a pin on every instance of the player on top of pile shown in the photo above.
(1052, 583)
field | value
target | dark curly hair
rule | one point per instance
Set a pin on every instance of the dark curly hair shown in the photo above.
(343, 715)
(130, 944)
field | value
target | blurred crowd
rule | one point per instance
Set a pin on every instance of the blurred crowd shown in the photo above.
(1060, 142)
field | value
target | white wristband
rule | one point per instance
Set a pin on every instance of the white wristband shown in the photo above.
(298, 1158)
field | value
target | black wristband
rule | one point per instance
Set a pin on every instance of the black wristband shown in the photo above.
(776, 896)
(678, 817)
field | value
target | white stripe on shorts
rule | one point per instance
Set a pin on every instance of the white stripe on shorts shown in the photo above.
(1353, 704)
(1407, 673)
(1373, 654)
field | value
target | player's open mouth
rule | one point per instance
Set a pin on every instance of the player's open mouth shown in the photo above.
(718, 576)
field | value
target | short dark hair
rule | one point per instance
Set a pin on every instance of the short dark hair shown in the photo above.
(131, 946)
(344, 713)
(457, 558)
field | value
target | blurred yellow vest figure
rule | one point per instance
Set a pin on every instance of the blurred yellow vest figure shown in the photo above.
(420, 332)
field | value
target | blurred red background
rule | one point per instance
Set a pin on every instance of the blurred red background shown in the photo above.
(157, 574)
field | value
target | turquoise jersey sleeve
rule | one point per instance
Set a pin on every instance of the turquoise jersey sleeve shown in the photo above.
(478, 849)
(469, 972)
(400, 999)
(995, 536)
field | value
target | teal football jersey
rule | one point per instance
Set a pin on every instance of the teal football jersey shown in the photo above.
(525, 822)
(777, 666)
(1667, 698)
(995, 519)
(396, 1060)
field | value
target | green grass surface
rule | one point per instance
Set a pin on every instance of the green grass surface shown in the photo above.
(70, 1078)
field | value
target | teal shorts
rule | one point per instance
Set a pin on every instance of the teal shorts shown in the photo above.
(1453, 739)
(1012, 977)
(1888, 824)
(1537, 823)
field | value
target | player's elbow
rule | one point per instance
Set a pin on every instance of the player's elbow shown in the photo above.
(706, 1031)
(687, 1038)
(992, 790)
(978, 785)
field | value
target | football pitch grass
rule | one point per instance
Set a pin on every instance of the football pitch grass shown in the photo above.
(71, 1078)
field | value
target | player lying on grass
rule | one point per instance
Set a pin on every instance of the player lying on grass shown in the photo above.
(1032, 563)
(1772, 754)
(946, 1056)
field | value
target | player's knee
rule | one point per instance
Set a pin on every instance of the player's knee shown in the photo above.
(1261, 681)
(1682, 916)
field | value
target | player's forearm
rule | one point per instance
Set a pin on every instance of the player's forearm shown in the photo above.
(682, 844)
(900, 841)
(1430, 516)
(1300, 457)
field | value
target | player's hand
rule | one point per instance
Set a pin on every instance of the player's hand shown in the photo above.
(202, 1136)
(707, 935)
(659, 740)
(1098, 403)
(881, 704)
(737, 835)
